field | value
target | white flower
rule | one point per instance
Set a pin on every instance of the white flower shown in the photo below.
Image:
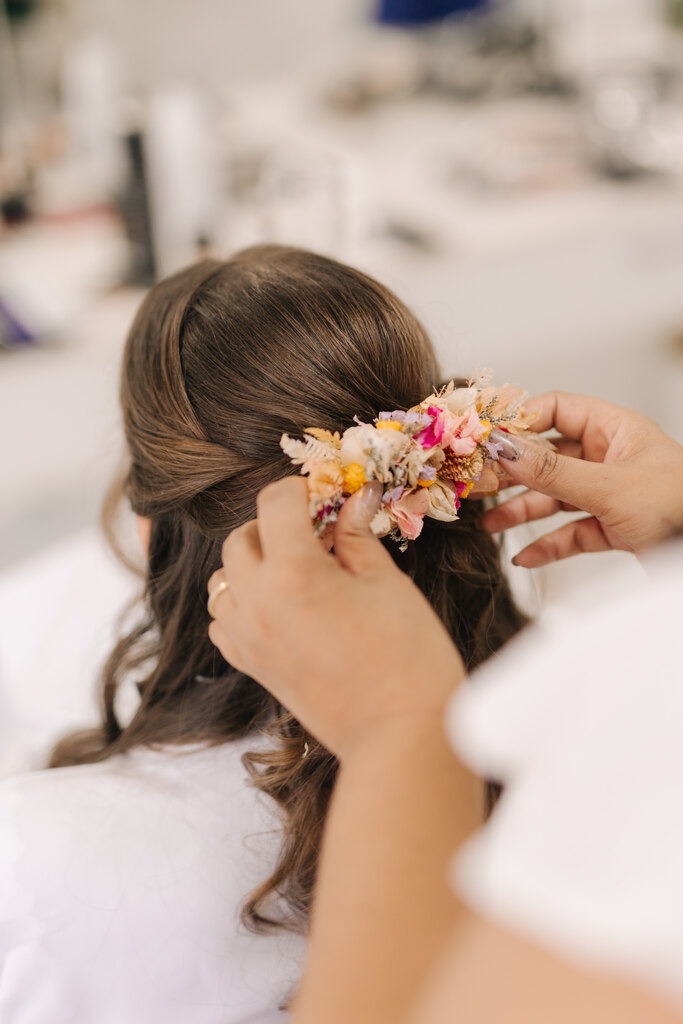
(375, 450)
(414, 463)
(442, 501)
(308, 452)
(461, 400)
(356, 444)
(382, 524)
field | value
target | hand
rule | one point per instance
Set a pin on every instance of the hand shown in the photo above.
(345, 641)
(615, 464)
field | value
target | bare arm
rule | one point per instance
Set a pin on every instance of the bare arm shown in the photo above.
(351, 646)
(383, 907)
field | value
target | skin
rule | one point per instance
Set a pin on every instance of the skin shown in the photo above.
(143, 525)
(342, 640)
(614, 464)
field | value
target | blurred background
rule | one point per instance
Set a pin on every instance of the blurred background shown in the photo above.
(513, 169)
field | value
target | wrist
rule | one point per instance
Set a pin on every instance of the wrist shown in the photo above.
(415, 705)
(396, 732)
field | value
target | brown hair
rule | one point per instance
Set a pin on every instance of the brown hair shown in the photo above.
(221, 359)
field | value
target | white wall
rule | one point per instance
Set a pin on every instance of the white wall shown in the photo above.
(214, 41)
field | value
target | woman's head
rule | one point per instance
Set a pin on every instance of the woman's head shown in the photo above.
(222, 359)
(226, 356)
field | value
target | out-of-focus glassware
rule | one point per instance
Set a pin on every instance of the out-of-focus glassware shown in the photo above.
(633, 122)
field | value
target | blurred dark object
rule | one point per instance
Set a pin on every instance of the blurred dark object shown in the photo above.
(134, 209)
(466, 50)
(13, 332)
(420, 12)
(14, 209)
(495, 51)
(674, 12)
(20, 10)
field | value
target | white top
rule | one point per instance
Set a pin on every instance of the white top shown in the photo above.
(121, 885)
(58, 615)
(582, 720)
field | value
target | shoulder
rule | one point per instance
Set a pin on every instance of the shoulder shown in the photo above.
(67, 822)
(128, 877)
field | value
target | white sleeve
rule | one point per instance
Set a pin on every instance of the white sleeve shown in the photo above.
(582, 721)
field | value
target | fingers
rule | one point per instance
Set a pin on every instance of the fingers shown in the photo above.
(284, 524)
(218, 588)
(569, 480)
(242, 557)
(524, 508)
(567, 413)
(567, 447)
(242, 554)
(579, 537)
(221, 639)
(563, 445)
(355, 546)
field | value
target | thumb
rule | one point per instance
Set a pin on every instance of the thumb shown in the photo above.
(570, 480)
(355, 545)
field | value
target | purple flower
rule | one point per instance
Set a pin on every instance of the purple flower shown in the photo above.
(397, 415)
(414, 420)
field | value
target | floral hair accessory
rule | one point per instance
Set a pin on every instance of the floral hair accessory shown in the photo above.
(428, 458)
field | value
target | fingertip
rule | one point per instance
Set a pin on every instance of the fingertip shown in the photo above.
(214, 579)
(359, 510)
(289, 486)
(284, 524)
(528, 558)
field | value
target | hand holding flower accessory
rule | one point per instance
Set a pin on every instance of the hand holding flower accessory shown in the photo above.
(429, 458)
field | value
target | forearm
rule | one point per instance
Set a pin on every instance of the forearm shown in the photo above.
(383, 906)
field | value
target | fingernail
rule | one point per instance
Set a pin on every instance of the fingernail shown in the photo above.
(370, 499)
(511, 449)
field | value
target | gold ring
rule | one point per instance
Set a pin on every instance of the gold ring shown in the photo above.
(214, 595)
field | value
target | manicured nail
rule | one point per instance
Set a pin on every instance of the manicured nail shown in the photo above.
(510, 447)
(369, 499)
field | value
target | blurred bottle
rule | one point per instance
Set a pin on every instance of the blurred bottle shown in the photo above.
(91, 97)
(182, 166)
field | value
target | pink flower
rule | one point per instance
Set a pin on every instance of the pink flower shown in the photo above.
(409, 512)
(462, 433)
(431, 435)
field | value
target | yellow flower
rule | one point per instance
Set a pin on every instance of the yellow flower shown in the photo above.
(388, 425)
(325, 479)
(488, 427)
(468, 488)
(354, 477)
(425, 483)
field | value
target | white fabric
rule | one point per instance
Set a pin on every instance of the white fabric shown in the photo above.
(582, 720)
(120, 883)
(58, 611)
(120, 890)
